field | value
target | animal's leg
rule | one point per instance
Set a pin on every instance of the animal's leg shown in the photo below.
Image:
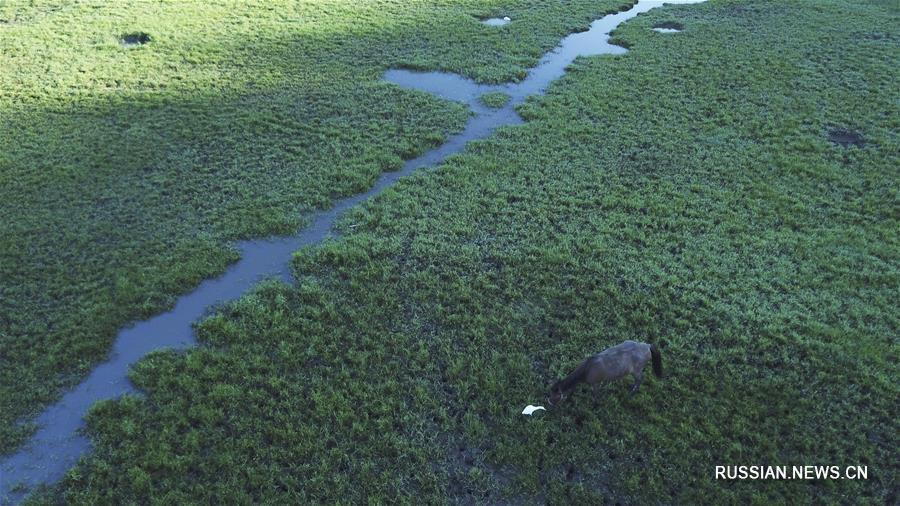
(638, 377)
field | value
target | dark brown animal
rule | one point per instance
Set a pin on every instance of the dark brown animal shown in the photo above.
(611, 364)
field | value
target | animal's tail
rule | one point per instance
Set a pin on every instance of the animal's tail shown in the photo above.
(657, 361)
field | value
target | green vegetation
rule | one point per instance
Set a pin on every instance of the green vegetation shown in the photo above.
(125, 169)
(495, 99)
(684, 193)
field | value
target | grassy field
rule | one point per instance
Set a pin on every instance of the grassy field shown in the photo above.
(126, 169)
(685, 194)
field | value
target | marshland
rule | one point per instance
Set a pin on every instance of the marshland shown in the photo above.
(727, 192)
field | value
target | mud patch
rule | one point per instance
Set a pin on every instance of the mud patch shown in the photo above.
(846, 138)
(467, 456)
(136, 39)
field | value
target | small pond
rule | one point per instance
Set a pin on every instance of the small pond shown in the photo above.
(496, 21)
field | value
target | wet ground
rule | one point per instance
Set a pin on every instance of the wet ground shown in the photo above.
(136, 39)
(846, 138)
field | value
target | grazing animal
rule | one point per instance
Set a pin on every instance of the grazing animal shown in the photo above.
(613, 363)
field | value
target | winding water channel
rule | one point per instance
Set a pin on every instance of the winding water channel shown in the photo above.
(58, 442)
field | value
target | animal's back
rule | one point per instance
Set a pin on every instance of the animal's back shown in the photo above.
(621, 359)
(628, 346)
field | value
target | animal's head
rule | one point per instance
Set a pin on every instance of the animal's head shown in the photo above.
(557, 394)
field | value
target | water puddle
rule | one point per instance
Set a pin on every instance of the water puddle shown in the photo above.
(136, 39)
(668, 27)
(442, 84)
(496, 21)
(58, 442)
(846, 138)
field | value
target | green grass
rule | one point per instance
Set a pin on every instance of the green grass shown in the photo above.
(683, 194)
(125, 171)
(494, 99)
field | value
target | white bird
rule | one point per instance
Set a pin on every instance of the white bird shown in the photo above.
(529, 409)
(506, 18)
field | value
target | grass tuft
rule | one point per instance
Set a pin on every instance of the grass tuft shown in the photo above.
(495, 99)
